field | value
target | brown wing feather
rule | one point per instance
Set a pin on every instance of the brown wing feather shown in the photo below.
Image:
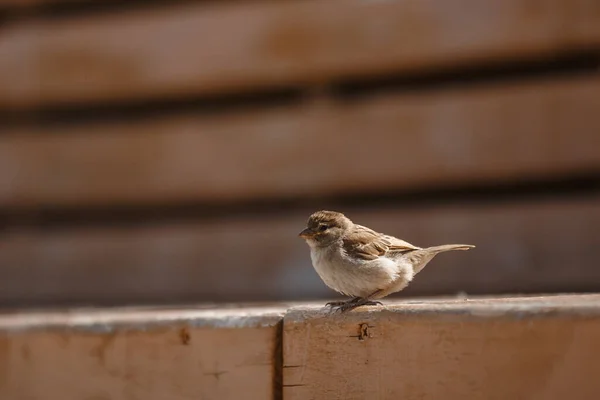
(400, 245)
(367, 244)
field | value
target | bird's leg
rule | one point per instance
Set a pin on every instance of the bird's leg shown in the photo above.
(368, 302)
(350, 305)
(359, 301)
(342, 302)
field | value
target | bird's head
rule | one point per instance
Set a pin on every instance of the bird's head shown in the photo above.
(325, 227)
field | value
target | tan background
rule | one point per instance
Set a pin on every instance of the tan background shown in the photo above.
(171, 151)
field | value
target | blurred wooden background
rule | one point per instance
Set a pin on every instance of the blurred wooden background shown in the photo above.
(170, 151)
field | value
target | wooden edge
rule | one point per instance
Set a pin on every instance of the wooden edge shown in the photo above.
(109, 320)
(526, 306)
(244, 316)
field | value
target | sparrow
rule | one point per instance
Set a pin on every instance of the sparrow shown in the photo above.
(361, 263)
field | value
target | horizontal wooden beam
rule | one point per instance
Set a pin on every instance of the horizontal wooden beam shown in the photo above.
(503, 133)
(150, 353)
(482, 348)
(23, 4)
(540, 347)
(545, 245)
(199, 49)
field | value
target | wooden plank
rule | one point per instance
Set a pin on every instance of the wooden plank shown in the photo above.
(131, 354)
(531, 348)
(21, 4)
(194, 49)
(538, 246)
(507, 133)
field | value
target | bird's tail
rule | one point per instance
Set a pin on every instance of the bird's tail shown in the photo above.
(448, 247)
(421, 257)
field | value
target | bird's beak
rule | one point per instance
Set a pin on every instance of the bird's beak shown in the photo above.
(307, 233)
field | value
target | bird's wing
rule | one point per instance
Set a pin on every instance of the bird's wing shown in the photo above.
(364, 243)
(400, 245)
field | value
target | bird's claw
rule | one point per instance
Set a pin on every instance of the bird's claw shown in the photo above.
(372, 303)
(333, 304)
(343, 306)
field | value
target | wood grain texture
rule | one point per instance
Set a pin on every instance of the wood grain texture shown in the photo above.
(535, 348)
(538, 130)
(537, 246)
(205, 48)
(150, 354)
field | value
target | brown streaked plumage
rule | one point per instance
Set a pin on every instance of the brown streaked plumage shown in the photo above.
(359, 262)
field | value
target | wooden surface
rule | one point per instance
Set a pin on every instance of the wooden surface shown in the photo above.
(132, 354)
(519, 132)
(539, 347)
(169, 52)
(542, 245)
(536, 348)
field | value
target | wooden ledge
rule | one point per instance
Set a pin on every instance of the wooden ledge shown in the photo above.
(536, 347)
(150, 353)
(232, 315)
(571, 304)
(143, 318)
(504, 348)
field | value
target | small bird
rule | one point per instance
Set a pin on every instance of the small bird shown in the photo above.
(360, 263)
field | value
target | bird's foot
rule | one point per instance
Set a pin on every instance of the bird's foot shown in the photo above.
(372, 303)
(343, 306)
(334, 304)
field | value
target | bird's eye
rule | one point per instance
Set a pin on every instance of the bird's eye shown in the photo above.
(322, 228)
